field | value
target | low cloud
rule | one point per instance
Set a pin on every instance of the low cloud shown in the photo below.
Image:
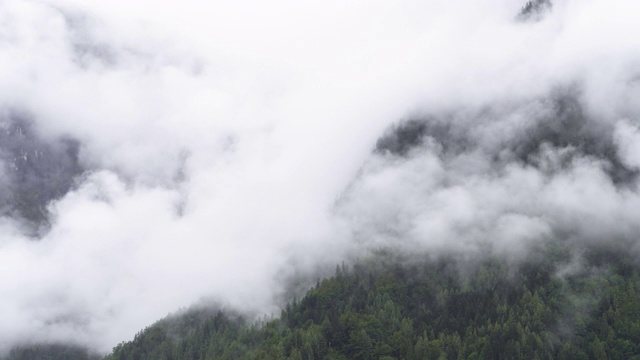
(207, 151)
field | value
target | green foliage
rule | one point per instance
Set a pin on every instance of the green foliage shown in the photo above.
(438, 309)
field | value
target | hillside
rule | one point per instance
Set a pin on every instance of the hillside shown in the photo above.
(549, 308)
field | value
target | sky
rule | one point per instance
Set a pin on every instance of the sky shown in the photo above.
(154, 154)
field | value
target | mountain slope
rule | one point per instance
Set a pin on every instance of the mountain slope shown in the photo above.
(549, 308)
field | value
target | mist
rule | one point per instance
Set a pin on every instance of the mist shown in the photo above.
(158, 154)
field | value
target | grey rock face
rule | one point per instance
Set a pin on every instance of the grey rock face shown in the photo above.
(34, 170)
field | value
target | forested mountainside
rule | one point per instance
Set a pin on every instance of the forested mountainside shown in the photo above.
(51, 352)
(473, 167)
(553, 307)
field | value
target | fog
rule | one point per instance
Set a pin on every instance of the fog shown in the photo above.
(158, 153)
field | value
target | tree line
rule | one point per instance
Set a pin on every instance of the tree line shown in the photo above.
(385, 308)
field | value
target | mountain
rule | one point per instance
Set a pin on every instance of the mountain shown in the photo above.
(474, 167)
(551, 306)
(35, 170)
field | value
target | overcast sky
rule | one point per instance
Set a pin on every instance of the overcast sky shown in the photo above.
(221, 146)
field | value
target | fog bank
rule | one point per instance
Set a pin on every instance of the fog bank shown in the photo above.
(156, 153)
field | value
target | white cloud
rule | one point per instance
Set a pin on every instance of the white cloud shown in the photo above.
(223, 138)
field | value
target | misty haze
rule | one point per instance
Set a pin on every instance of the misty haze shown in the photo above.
(319, 180)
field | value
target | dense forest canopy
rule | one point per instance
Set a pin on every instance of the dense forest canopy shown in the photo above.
(551, 306)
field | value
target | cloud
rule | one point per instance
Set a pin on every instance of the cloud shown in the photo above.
(498, 178)
(220, 147)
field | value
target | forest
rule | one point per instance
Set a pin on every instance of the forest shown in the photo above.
(553, 305)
